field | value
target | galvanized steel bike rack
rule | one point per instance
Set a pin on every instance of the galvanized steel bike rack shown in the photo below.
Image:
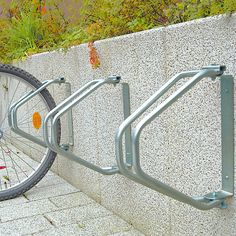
(129, 165)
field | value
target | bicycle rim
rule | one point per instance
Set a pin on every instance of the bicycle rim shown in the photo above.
(22, 162)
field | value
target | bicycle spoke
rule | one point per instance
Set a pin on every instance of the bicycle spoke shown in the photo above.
(27, 144)
(5, 130)
(5, 116)
(29, 109)
(15, 163)
(21, 127)
(5, 163)
(22, 159)
(12, 161)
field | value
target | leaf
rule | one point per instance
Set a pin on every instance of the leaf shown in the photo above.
(5, 177)
(94, 57)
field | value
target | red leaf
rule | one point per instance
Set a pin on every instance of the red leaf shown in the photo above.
(94, 57)
(44, 10)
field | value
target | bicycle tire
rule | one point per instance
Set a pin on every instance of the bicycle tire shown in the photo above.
(49, 157)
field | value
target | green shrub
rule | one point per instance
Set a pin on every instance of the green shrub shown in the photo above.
(104, 18)
(32, 26)
(3, 40)
(31, 29)
(193, 9)
(25, 34)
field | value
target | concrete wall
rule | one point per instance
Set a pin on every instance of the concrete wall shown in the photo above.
(181, 148)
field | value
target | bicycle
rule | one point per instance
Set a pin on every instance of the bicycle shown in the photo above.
(30, 117)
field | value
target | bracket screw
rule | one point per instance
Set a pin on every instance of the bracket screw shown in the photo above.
(223, 205)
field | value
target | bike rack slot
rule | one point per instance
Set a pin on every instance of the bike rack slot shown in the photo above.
(54, 116)
(137, 173)
(128, 158)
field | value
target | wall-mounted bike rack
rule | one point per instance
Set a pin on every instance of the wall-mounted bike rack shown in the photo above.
(129, 165)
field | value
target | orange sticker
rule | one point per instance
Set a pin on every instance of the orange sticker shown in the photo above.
(37, 120)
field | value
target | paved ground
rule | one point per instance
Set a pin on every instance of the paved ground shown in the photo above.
(54, 207)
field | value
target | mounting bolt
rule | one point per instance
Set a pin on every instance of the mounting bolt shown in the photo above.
(227, 177)
(65, 147)
(223, 205)
(61, 80)
(114, 79)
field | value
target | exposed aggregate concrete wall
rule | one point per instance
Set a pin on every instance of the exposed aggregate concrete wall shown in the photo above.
(182, 147)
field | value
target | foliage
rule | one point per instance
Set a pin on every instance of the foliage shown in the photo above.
(32, 26)
(105, 18)
(193, 9)
(3, 39)
(24, 34)
(101, 19)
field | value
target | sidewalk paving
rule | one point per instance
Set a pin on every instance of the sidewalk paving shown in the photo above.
(54, 207)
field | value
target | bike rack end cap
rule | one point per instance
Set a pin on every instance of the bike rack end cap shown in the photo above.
(113, 79)
(61, 80)
(219, 69)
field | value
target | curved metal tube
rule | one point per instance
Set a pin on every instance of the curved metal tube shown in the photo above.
(12, 119)
(51, 114)
(135, 115)
(140, 176)
(53, 143)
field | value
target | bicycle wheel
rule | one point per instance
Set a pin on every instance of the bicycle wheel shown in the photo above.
(22, 162)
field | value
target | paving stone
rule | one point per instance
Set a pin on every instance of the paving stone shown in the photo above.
(26, 210)
(24, 226)
(69, 230)
(14, 201)
(49, 180)
(77, 214)
(104, 226)
(71, 200)
(99, 226)
(132, 232)
(50, 191)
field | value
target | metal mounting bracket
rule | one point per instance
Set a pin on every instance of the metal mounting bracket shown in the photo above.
(227, 132)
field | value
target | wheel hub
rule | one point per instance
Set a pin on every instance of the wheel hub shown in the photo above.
(1, 134)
